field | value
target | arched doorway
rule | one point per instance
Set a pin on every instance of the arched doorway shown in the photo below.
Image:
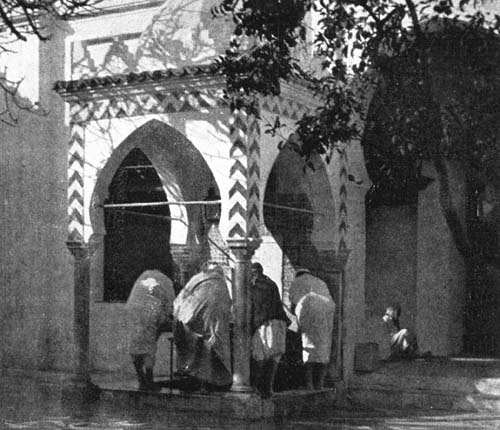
(172, 171)
(299, 214)
(137, 237)
(158, 165)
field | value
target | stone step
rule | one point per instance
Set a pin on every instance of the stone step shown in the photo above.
(441, 384)
(247, 406)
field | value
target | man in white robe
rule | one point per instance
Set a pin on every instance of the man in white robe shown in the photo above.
(315, 311)
(202, 313)
(150, 308)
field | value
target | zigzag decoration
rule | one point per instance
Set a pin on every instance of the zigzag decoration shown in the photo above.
(253, 177)
(237, 188)
(146, 104)
(244, 173)
(83, 111)
(75, 183)
(280, 105)
(343, 219)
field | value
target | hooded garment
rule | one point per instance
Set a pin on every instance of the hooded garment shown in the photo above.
(266, 302)
(403, 345)
(150, 307)
(315, 310)
(202, 312)
(269, 320)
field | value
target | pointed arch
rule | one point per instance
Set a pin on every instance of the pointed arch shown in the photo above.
(182, 170)
(178, 173)
(299, 232)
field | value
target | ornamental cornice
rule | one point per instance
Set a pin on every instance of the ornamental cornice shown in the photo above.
(299, 92)
(187, 80)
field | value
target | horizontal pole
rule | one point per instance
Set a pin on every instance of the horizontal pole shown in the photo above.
(201, 202)
(146, 204)
(291, 208)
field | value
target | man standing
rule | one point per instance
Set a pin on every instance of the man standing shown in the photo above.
(314, 307)
(268, 323)
(150, 307)
(202, 313)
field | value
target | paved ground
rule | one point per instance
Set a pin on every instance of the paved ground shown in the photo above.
(27, 403)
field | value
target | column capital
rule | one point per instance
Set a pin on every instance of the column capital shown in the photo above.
(81, 250)
(334, 260)
(244, 249)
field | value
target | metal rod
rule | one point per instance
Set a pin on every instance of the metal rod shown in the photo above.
(182, 221)
(291, 208)
(148, 204)
(139, 166)
(201, 202)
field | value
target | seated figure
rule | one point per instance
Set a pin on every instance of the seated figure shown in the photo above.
(202, 313)
(403, 342)
(150, 307)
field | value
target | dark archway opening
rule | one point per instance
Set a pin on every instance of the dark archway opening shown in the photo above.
(137, 238)
(289, 217)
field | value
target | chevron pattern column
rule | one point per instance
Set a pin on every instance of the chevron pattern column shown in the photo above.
(342, 225)
(244, 194)
(81, 381)
(75, 183)
(244, 219)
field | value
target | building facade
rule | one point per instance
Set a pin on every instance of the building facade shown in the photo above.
(127, 167)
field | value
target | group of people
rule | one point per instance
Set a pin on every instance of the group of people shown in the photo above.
(200, 318)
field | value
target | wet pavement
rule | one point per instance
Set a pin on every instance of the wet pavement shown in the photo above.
(27, 403)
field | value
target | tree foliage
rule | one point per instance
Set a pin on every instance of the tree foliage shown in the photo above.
(24, 17)
(427, 66)
(20, 19)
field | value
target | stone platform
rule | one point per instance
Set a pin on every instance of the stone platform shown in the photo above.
(452, 384)
(247, 406)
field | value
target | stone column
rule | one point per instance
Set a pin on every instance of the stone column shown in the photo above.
(81, 317)
(243, 251)
(332, 268)
(243, 232)
(182, 258)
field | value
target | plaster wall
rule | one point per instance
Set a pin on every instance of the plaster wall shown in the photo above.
(354, 280)
(391, 263)
(440, 270)
(36, 307)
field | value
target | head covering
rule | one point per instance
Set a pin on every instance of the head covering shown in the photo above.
(393, 312)
(212, 267)
(257, 267)
(304, 283)
(301, 271)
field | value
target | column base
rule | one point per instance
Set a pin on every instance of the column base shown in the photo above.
(236, 388)
(81, 389)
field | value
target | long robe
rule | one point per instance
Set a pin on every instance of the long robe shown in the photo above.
(202, 312)
(403, 344)
(150, 307)
(269, 320)
(315, 310)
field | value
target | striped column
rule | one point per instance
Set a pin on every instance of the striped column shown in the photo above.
(342, 224)
(82, 252)
(244, 194)
(75, 183)
(244, 219)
